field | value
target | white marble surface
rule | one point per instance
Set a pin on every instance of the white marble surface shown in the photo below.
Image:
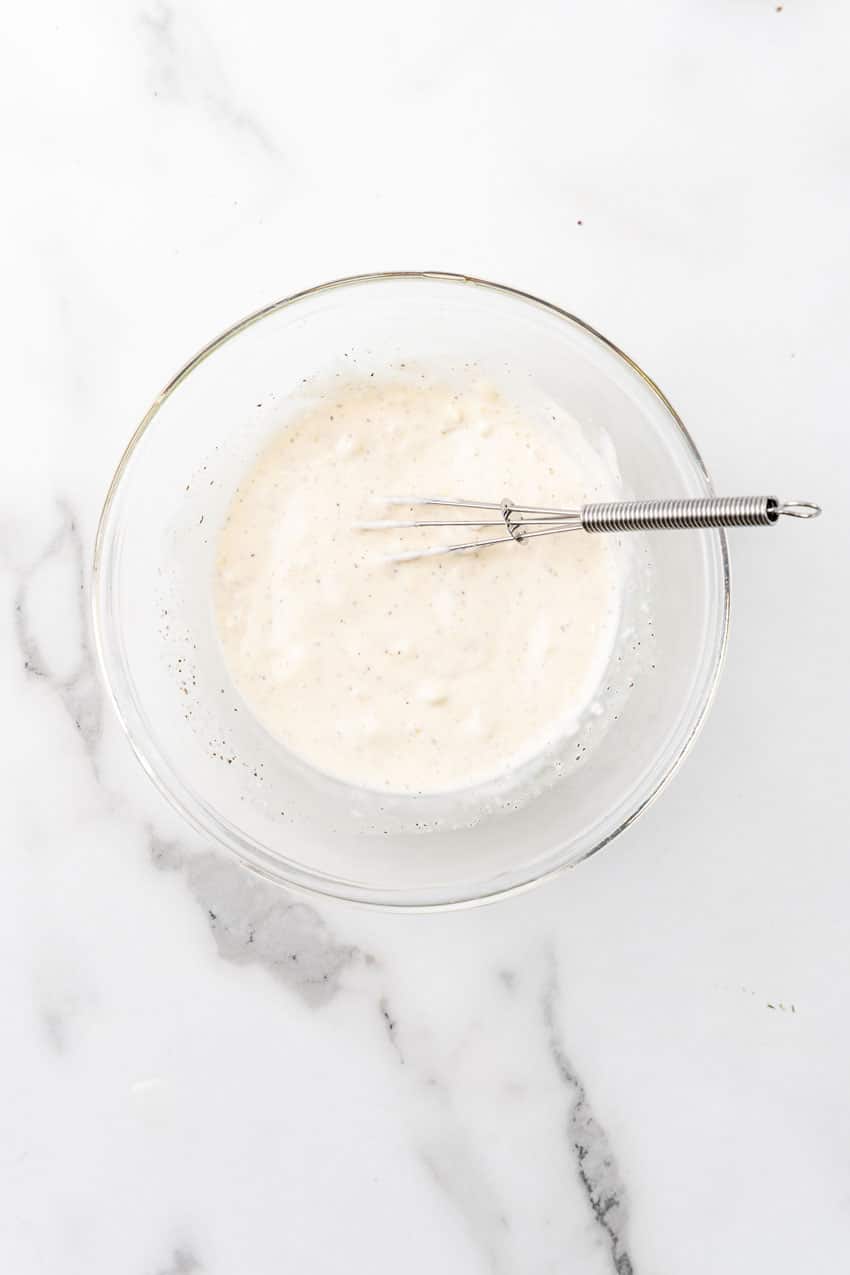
(642, 1068)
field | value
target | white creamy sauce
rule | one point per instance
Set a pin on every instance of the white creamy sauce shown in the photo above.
(428, 675)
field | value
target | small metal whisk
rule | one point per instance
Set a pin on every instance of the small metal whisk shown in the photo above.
(526, 522)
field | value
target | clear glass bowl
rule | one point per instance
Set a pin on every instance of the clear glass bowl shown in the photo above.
(153, 623)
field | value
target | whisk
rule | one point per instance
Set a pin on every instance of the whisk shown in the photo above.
(525, 522)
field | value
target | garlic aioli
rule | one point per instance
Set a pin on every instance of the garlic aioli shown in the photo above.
(434, 674)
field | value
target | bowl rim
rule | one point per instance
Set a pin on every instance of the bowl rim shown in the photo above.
(312, 883)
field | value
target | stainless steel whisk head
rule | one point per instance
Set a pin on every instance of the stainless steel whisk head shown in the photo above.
(526, 522)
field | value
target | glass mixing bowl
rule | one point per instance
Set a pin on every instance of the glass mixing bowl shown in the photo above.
(154, 559)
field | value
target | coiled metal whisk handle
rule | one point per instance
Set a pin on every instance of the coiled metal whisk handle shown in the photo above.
(714, 511)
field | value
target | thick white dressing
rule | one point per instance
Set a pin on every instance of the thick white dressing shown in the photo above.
(428, 675)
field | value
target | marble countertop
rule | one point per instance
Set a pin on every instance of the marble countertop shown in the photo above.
(640, 1069)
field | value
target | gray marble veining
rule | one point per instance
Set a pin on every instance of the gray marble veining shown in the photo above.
(597, 1167)
(79, 689)
(185, 68)
(255, 922)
